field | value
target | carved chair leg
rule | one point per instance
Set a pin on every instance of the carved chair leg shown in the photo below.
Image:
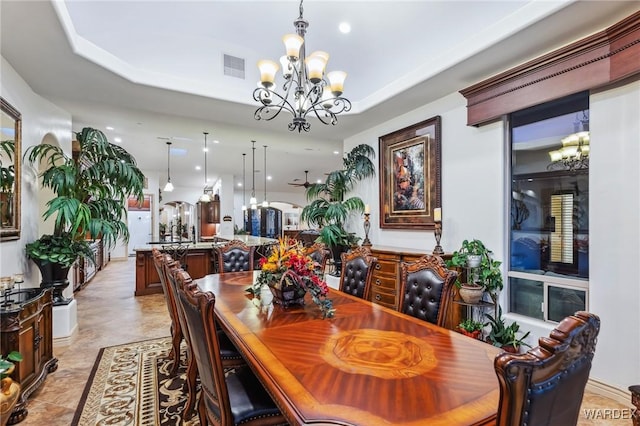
(174, 354)
(192, 374)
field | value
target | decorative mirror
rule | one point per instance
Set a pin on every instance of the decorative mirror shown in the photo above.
(10, 152)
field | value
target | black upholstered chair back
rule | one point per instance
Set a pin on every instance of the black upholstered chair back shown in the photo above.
(357, 272)
(235, 257)
(160, 260)
(545, 385)
(425, 289)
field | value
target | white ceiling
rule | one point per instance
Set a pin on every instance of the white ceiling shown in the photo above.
(153, 69)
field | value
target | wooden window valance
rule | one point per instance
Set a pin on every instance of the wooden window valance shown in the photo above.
(605, 57)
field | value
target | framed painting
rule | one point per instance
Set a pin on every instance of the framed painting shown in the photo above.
(410, 183)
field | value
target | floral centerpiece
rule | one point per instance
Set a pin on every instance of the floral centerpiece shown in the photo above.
(290, 274)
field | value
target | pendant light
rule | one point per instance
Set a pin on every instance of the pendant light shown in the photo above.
(244, 185)
(252, 200)
(265, 203)
(169, 186)
(205, 198)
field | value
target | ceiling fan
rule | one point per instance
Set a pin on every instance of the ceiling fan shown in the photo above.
(306, 183)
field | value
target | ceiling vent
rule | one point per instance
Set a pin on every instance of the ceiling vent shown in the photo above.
(233, 66)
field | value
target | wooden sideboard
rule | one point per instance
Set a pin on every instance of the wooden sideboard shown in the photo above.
(26, 327)
(386, 279)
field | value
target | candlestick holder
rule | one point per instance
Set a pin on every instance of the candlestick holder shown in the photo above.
(367, 227)
(438, 234)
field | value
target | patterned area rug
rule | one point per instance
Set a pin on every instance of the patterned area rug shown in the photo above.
(130, 385)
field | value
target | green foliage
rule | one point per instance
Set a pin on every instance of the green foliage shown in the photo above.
(7, 174)
(328, 209)
(91, 194)
(503, 335)
(471, 325)
(7, 362)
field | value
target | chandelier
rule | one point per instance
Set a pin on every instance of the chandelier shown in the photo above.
(306, 91)
(574, 154)
(169, 186)
(205, 197)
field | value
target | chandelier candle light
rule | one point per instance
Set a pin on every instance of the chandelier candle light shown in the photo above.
(574, 154)
(305, 89)
(367, 226)
(437, 219)
(169, 186)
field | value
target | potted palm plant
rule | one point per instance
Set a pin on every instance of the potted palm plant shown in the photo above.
(91, 191)
(329, 208)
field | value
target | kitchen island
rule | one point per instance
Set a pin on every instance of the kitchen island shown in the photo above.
(200, 259)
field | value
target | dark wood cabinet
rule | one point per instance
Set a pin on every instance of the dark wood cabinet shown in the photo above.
(26, 327)
(198, 260)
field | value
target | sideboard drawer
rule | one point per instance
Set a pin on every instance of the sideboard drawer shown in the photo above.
(387, 267)
(383, 298)
(382, 282)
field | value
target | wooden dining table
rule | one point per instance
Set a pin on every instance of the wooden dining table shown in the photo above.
(368, 365)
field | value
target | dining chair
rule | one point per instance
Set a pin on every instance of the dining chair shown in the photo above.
(319, 253)
(235, 256)
(545, 385)
(635, 400)
(425, 289)
(357, 272)
(229, 354)
(178, 252)
(160, 260)
(234, 397)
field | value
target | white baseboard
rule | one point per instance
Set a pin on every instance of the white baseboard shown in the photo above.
(621, 396)
(66, 340)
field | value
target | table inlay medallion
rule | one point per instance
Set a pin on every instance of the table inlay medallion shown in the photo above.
(379, 353)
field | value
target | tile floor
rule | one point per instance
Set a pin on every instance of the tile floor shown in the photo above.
(109, 314)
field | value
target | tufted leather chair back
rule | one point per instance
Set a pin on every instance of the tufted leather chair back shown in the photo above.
(545, 385)
(357, 272)
(235, 256)
(425, 289)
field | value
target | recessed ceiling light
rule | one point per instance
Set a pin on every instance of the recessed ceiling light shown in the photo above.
(239, 183)
(117, 140)
(344, 27)
(336, 152)
(216, 141)
(109, 128)
(268, 177)
(198, 167)
(319, 181)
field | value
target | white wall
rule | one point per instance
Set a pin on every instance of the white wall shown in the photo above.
(473, 206)
(614, 232)
(40, 119)
(472, 180)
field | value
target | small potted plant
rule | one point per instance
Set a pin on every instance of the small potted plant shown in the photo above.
(505, 336)
(471, 328)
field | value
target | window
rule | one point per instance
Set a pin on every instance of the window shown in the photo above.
(549, 228)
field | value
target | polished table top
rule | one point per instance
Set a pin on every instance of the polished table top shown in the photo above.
(368, 365)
